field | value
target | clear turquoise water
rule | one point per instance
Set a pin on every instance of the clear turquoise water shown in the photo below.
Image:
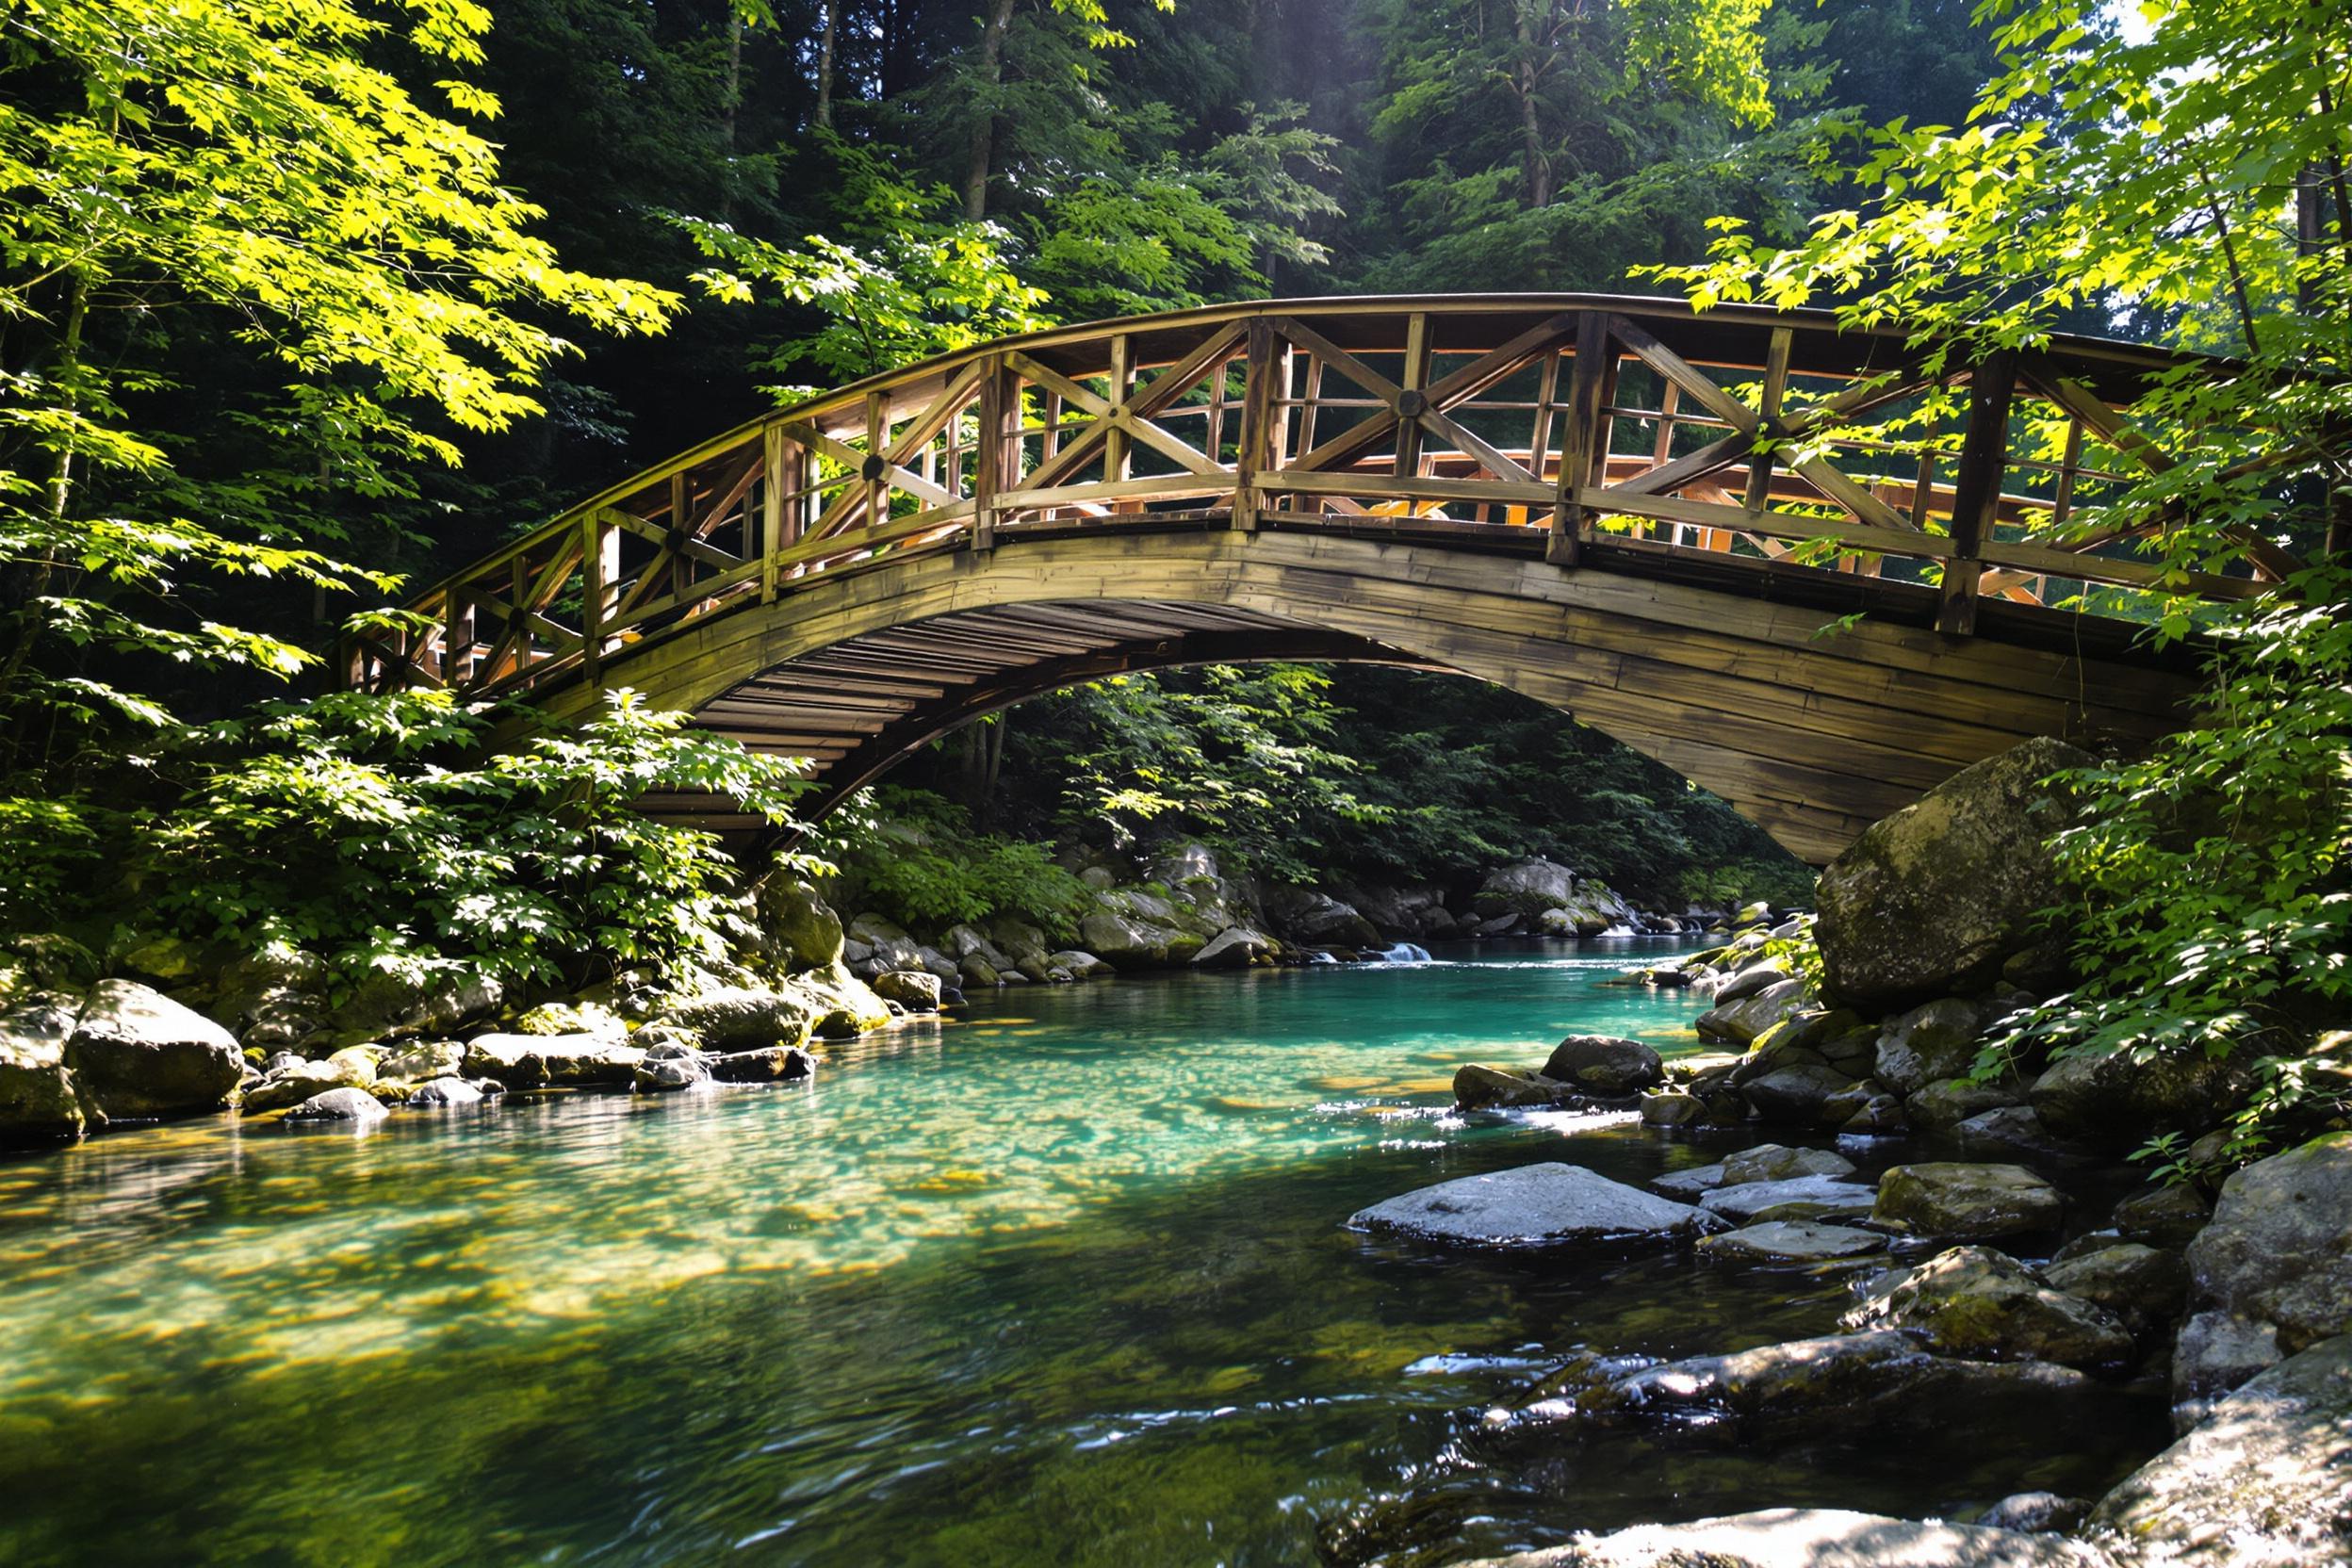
(1061, 1283)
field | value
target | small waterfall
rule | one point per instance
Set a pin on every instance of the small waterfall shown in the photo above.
(1403, 953)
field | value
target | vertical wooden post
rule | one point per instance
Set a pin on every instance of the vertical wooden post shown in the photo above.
(987, 470)
(457, 638)
(596, 577)
(1410, 402)
(1115, 445)
(772, 487)
(518, 598)
(1257, 419)
(679, 565)
(877, 437)
(1976, 488)
(1580, 440)
(1759, 491)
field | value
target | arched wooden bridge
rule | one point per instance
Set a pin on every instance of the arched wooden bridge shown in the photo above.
(1658, 521)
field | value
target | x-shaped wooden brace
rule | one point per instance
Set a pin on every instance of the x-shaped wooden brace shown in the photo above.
(881, 467)
(1133, 416)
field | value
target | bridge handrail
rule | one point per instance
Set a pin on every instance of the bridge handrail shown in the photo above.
(1506, 422)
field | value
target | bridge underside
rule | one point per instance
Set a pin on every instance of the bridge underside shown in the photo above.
(1813, 736)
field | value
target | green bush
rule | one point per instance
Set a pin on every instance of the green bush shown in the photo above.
(915, 858)
(413, 833)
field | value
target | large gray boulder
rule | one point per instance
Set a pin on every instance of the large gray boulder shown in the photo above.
(917, 993)
(2116, 1102)
(137, 1054)
(1934, 899)
(1526, 888)
(2263, 1482)
(1959, 1201)
(739, 1018)
(272, 999)
(38, 1100)
(798, 930)
(1973, 1302)
(1810, 1538)
(515, 1060)
(1235, 947)
(1745, 1022)
(2271, 1275)
(1550, 1205)
(1120, 929)
(1935, 1039)
(1309, 915)
(1479, 1089)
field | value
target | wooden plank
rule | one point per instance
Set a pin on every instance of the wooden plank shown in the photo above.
(1426, 488)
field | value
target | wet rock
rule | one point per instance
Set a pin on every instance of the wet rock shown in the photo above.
(1524, 888)
(513, 1060)
(669, 1075)
(2271, 1275)
(1796, 1095)
(1077, 965)
(1549, 1204)
(1235, 947)
(350, 1107)
(1478, 1088)
(1671, 1108)
(845, 1007)
(1810, 1538)
(423, 1060)
(1944, 1104)
(2142, 1285)
(2035, 1512)
(2163, 1217)
(1880, 1116)
(1741, 1022)
(741, 1018)
(1773, 1161)
(799, 931)
(136, 1054)
(1975, 1302)
(589, 1061)
(300, 1081)
(1798, 1198)
(2261, 1482)
(1690, 1184)
(1935, 1039)
(916, 992)
(776, 1064)
(1605, 1064)
(2015, 1131)
(444, 1091)
(1747, 982)
(1792, 1241)
(1966, 1202)
(1934, 899)
(2116, 1102)
(38, 1100)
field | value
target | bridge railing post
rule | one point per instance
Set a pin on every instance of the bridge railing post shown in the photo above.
(1976, 489)
(989, 475)
(1580, 440)
(1257, 416)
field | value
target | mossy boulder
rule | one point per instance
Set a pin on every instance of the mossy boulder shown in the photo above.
(2116, 1102)
(744, 1017)
(798, 930)
(1605, 1064)
(1976, 1302)
(137, 1054)
(1966, 1201)
(39, 1103)
(1934, 899)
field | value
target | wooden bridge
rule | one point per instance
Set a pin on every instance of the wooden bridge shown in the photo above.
(1656, 521)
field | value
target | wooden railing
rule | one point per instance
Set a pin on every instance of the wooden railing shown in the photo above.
(1499, 421)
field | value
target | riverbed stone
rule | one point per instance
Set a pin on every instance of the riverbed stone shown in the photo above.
(1548, 1204)
(298, 1082)
(2143, 1285)
(419, 1061)
(1965, 1202)
(1975, 1302)
(137, 1054)
(1741, 1022)
(1479, 1089)
(39, 1103)
(775, 1064)
(448, 1090)
(743, 1017)
(1236, 947)
(1773, 1162)
(1811, 1197)
(1671, 1108)
(2015, 1131)
(1944, 1104)
(1792, 1241)
(1745, 982)
(352, 1107)
(2163, 1217)
(1796, 1095)
(670, 1074)
(1810, 1538)
(1878, 1116)
(1605, 1064)
(590, 1061)
(514, 1060)
(1078, 964)
(2263, 1482)
(2115, 1102)
(1935, 1039)
(916, 992)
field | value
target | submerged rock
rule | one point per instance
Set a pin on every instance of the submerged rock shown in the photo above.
(1966, 1202)
(1550, 1205)
(1976, 1302)
(136, 1053)
(1810, 1538)
(1792, 1241)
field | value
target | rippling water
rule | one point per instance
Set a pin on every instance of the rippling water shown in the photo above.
(1061, 1283)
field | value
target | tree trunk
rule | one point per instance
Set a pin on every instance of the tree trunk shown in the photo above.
(1534, 165)
(824, 64)
(984, 134)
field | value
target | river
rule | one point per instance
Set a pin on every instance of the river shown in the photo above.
(1062, 1282)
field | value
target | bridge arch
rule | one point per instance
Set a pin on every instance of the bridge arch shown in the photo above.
(1641, 516)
